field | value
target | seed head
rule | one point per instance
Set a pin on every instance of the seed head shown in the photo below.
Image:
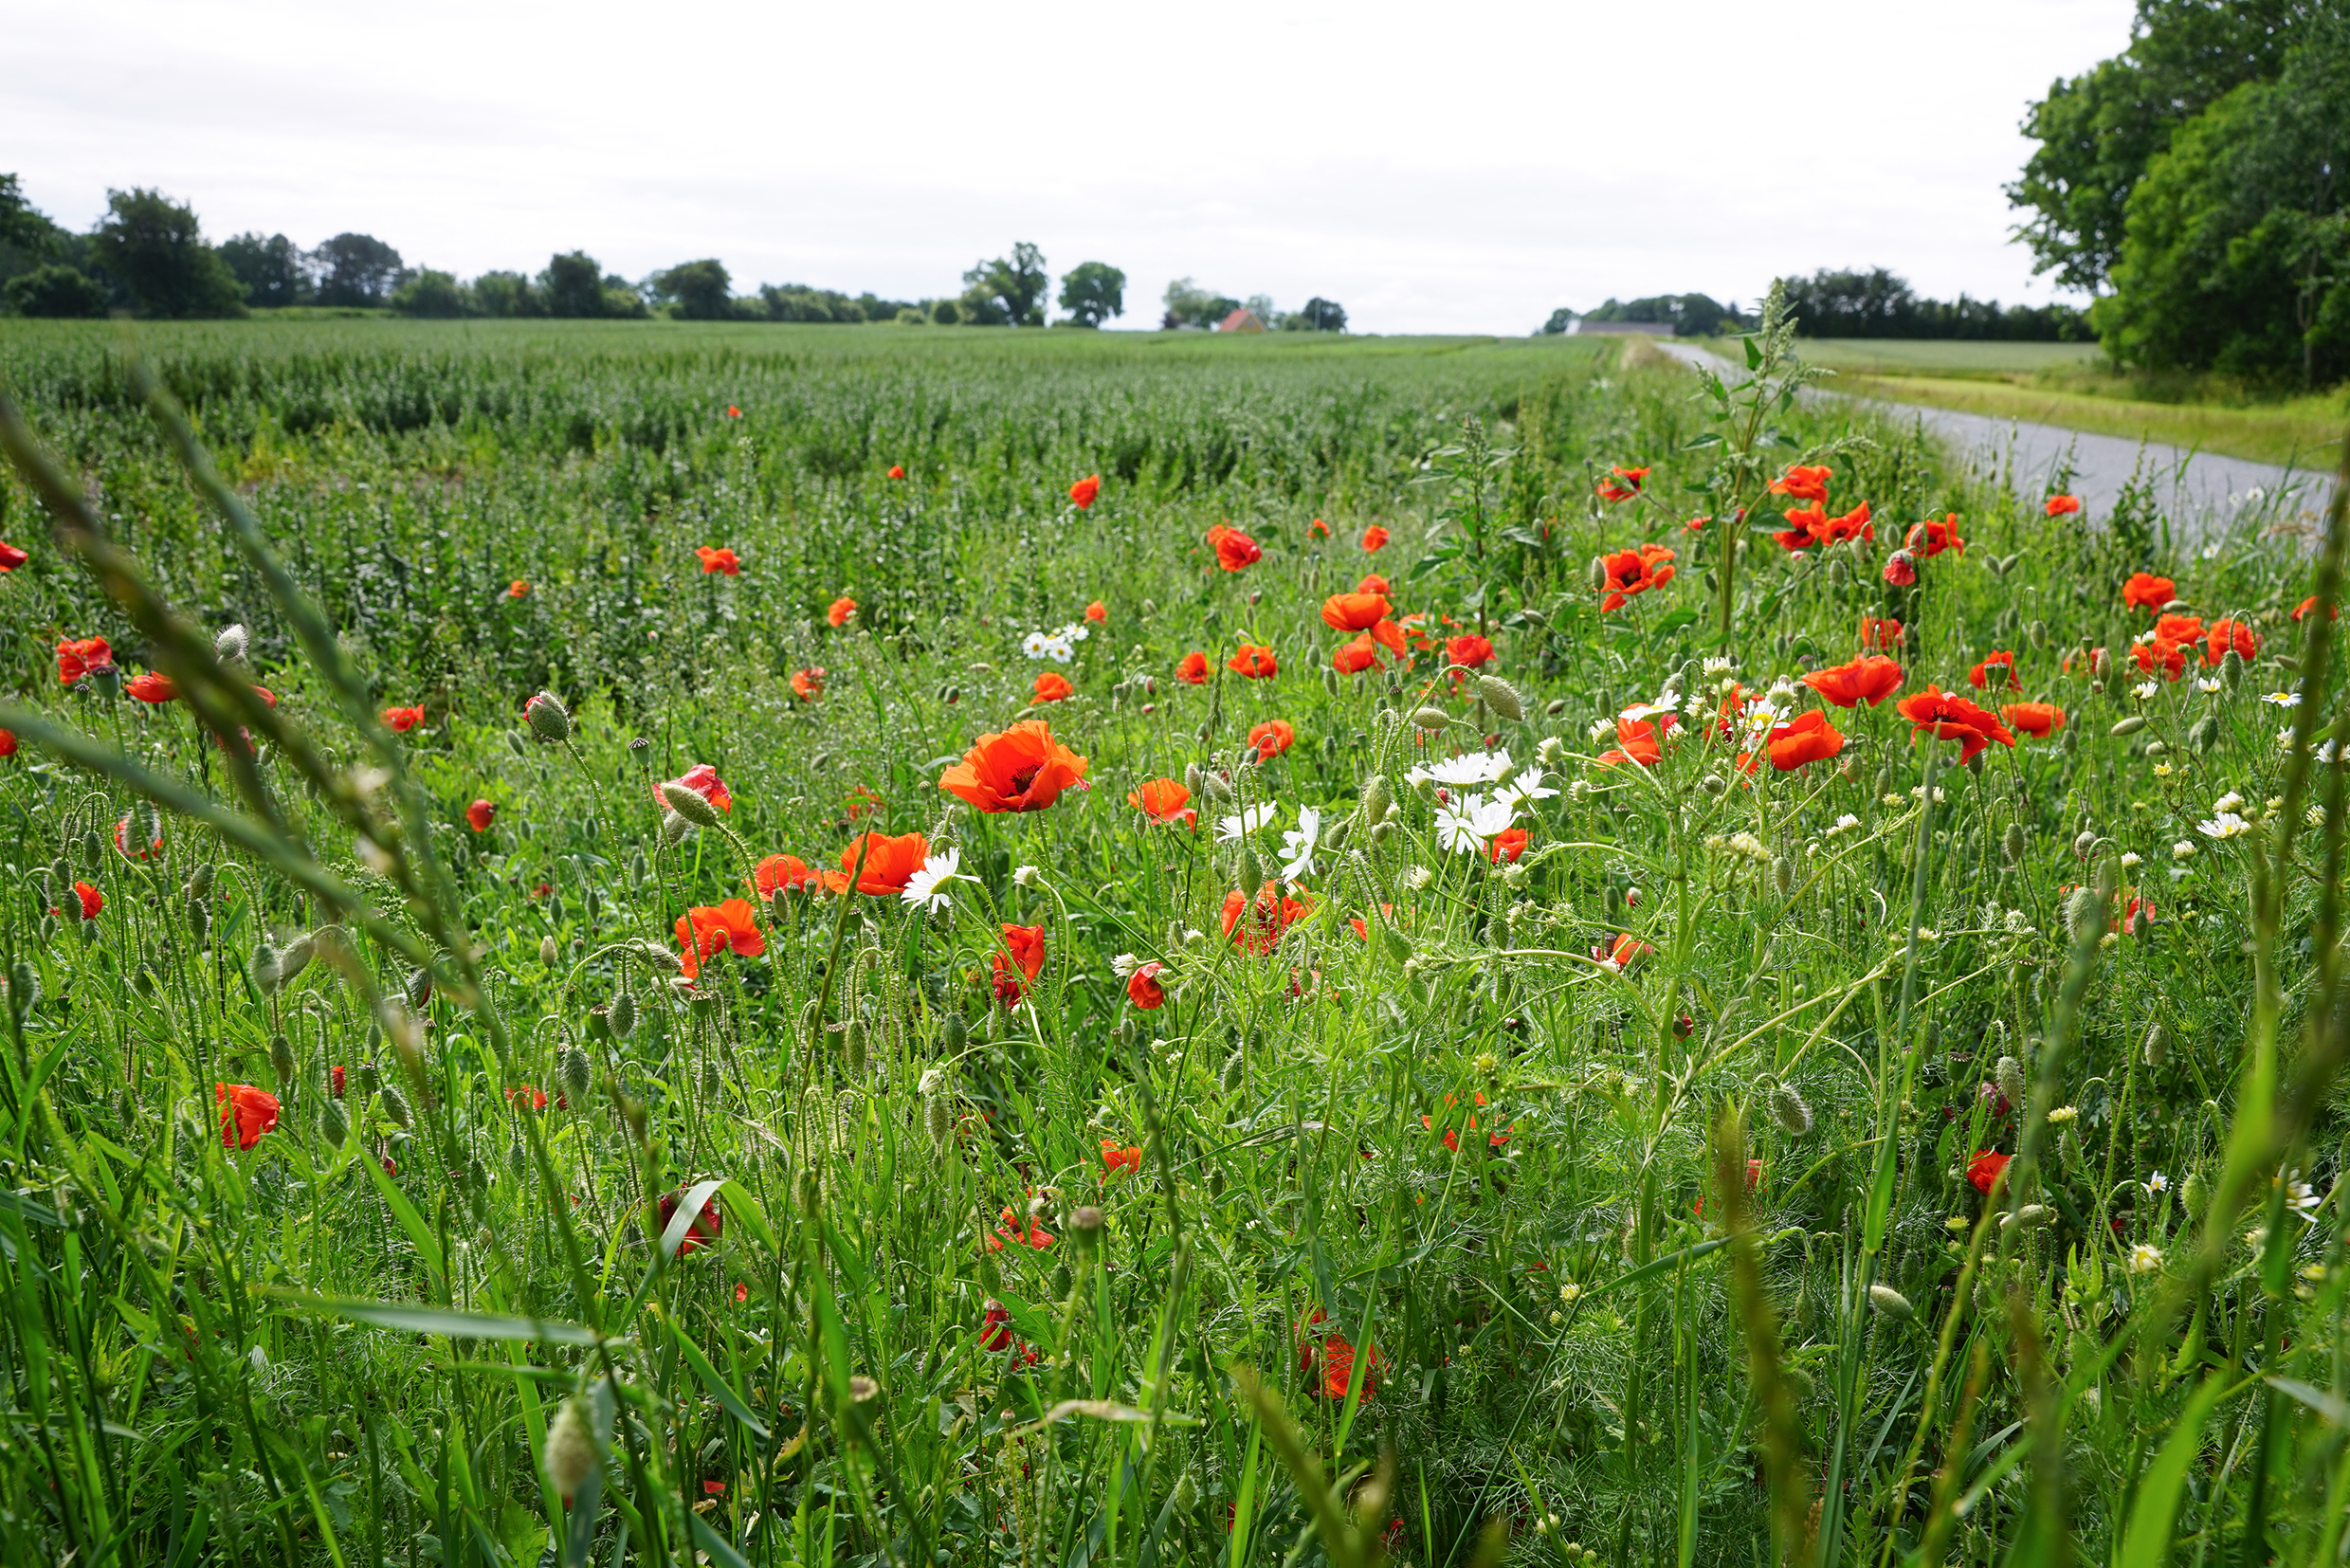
(229, 645)
(1086, 1224)
(1431, 719)
(1502, 698)
(1789, 1110)
(2009, 1076)
(575, 1074)
(1891, 1302)
(689, 804)
(620, 1017)
(571, 1452)
(282, 1058)
(334, 1126)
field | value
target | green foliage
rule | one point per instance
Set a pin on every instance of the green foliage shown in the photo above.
(153, 249)
(356, 270)
(1318, 315)
(1878, 304)
(573, 286)
(430, 293)
(271, 269)
(1189, 306)
(55, 289)
(696, 291)
(1092, 292)
(508, 294)
(2238, 255)
(1690, 315)
(1007, 291)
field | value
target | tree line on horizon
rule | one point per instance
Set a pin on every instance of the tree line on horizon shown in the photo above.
(148, 257)
(1847, 302)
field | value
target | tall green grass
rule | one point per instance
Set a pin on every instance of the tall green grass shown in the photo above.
(358, 1341)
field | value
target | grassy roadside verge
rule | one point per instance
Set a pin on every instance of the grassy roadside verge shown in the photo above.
(2305, 432)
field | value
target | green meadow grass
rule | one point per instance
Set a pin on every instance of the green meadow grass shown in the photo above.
(1438, 1241)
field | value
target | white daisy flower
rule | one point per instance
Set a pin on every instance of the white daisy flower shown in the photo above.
(2224, 825)
(2143, 690)
(2227, 802)
(1247, 821)
(2207, 683)
(2158, 1182)
(2183, 849)
(1468, 768)
(926, 889)
(1299, 843)
(1527, 788)
(2281, 699)
(1035, 645)
(1467, 823)
(2131, 860)
(2145, 1258)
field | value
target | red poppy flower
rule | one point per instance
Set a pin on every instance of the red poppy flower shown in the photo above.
(1804, 481)
(1626, 951)
(897, 470)
(2064, 506)
(2145, 590)
(733, 412)
(1193, 670)
(1372, 583)
(1880, 631)
(1008, 1230)
(88, 899)
(1851, 525)
(7, 743)
(721, 559)
(1097, 613)
(1142, 987)
(704, 780)
(1270, 915)
(79, 657)
(334, 1082)
(1083, 492)
(478, 815)
(1115, 1159)
(701, 1231)
(1272, 737)
(517, 590)
(788, 872)
(1355, 657)
(1024, 769)
(1631, 480)
(1235, 550)
(1979, 677)
(129, 850)
(532, 1096)
(890, 863)
(808, 685)
(1452, 1142)
(2226, 633)
(995, 1327)
(1257, 663)
(1638, 740)
(148, 687)
(1318, 529)
(402, 719)
(2311, 603)
(2171, 656)
(1931, 538)
(246, 1113)
(1797, 534)
(706, 930)
(1026, 945)
(1630, 572)
(1374, 538)
(1869, 678)
(2040, 719)
(1327, 1358)
(1946, 716)
(1507, 845)
(1983, 1170)
(837, 612)
(10, 556)
(1809, 739)
(1470, 650)
(1165, 801)
(1051, 688)
(1354, 611)
(1901, 569)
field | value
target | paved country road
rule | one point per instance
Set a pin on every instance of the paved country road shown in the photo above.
(2194, 488)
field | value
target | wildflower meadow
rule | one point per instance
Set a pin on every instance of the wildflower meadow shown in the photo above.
(636, 944)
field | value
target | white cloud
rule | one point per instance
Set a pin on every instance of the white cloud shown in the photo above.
(1462, 169)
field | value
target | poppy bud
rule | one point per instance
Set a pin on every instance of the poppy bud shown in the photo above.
(282, 1058)
(93, 849)
(688, 802)
(1839, 574)
(24, 989)
(1235, 1071)
(674, 829)
(2030, 1217)
(395, 1106)
(2231, 669)
(1783, 875)
(231, 643)
(2009, 1075)
(106, 679)
(1431, 719)
(334, 1126)
(2081, 913)
(1247, 872)
(570, 1452)
(2084, 845)
(2130, 725)
(808, 1192)
(1712, 784)
(1213, 784)
(620, 1015)
(2204, 733)
(371, 1078)
(262, 967)
(1398, 945)
(1891, 1302)
(1502, 698)
(852, 1048)
(548, 717)
(1789, 1110)
(953, 1032)
(938, 1119)
(1330, 680)
(575, 1074)
(2158, 1048)
(1249, 757)
(2195, 1193)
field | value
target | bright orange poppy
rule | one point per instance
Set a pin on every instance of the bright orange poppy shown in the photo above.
(703, 931)
(1166, 801)
(890, 863)
(2226, 633)
(1193, 670)
(1024, 769)
(2064, 506)
(1610, 489)
(402, 719)
(1469, 650)
(10, 556)
(1235, 550)
(1271, 914)
(517, 590)
(1869, 678)
(1809, 739)
(1097, 613)
(1142, 987)
(1507, 845)
(1354, 611)
(786, 872)
(1930, 539)
(148, 687)
(1257, 663)
(246, 1113)
(1084, 490)
(1638, 740)
(1355, 657)
(808, 685)
(77, 657)
(1014, 974)
(721, 559)
(1804, 481)
(2309, 604)
(1630, 572)
(1980, 676)
(1272, 737)
(838, 612)
(1115, 1159)
(1946, 716)
(2171, 656)
(1051, 688)
(1880, 631)
(2034, 718)
(2145, 590)
(479, 815)
(1374, 538)
(897, 470)
(1372, 583)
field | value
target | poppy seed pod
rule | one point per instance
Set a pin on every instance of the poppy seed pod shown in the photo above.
(620, 1015)
(2130, 725)
(1789, 1110)
(2232, 668)
(230, 643)
(1235, 1071)
(2009, 1076)
(570, 1452)
(1502, 698)
(2157, 1047)
(1086, 1225)
(395, 1106)
(282, 1058)
(575, 1074)
(688, 802)
(24, 989)
(548, 717)
(334, 1126)
(1783, 875)
(371, 1078)
(1891, 1302)
(2030, 1217)
(674, 829)
(262, 967)
(1431, 719)
(953, 1032)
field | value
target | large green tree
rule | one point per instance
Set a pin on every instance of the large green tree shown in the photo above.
(2098, 132)
(356, 269)
(153, 249)
(2236, 252)
(1092, 292)
(696, 291)
(271, 268)
(1007, 291)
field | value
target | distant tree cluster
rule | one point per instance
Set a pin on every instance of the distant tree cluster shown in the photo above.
(1877, 304)
(1689, 315)
(1190, 307)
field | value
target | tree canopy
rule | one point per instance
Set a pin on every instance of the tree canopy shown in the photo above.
(272, 270)
(1092, 292)
(696, 291)
(1319, 315)
(1007, 291)
(154, 249)
(356, 269)
(1190, 305)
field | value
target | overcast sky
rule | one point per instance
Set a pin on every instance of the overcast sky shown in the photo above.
(1433, 168)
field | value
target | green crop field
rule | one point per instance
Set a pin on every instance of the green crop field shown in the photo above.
(665, 944)
(1944, 356)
